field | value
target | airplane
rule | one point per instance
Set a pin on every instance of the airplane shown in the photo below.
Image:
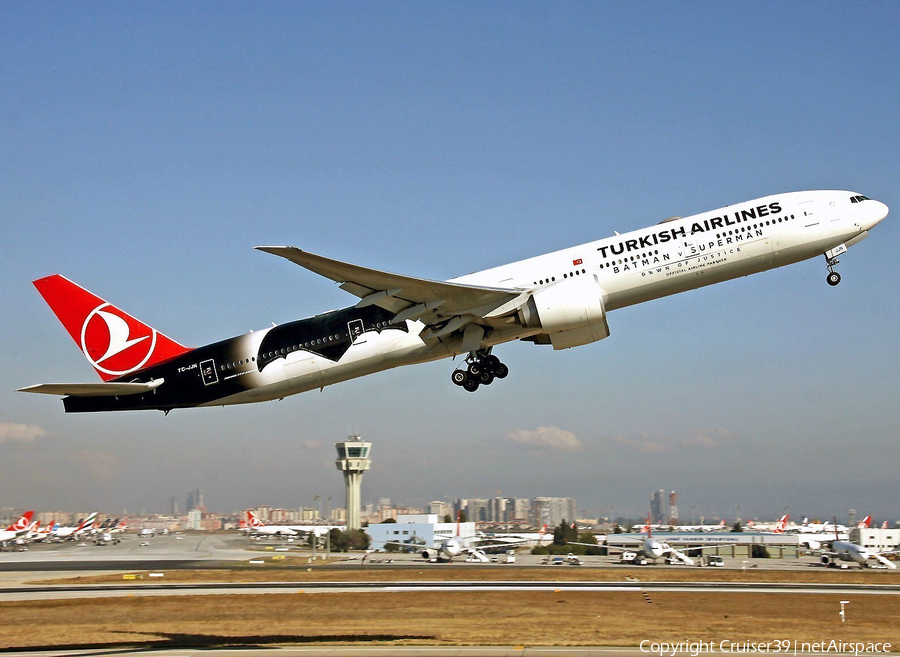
(447, 547)
(701, 527)
(35, 532)
(779, 527)
(807, 527)
(20, 526)
(652, 550)
(838, 550)
(117, 527)
(71, 533)
(105, 538)
(560, 299)
(538, 538)
(257, 526)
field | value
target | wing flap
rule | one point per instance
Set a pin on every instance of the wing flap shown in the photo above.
(93, 389)
(405, 291)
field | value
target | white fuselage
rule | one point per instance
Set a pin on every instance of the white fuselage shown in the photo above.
(646, 264)
(846, 551)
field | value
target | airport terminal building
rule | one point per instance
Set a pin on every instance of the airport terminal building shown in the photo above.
(418, 530)
(731, 544)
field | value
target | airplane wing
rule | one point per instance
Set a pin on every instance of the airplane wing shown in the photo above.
(94, 389)
(488, 546)
(418, 546)
(407, 296)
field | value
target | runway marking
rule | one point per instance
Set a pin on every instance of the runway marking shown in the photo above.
(111, 590)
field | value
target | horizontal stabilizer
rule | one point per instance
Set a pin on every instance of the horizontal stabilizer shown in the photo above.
(94, 389)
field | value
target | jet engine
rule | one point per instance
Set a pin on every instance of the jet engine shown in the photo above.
(427, 555)
(569, 312)
(826, 560)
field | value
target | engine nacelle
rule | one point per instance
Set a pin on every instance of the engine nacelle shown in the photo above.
(427, 555)
(570, 312)
(826, 560)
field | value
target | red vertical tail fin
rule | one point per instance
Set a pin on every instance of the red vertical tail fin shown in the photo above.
(114, 342)
(781, 525)
(22, 523)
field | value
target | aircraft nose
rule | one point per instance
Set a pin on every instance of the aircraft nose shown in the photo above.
(876, 211)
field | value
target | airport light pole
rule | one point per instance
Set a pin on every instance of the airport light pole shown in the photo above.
(328, 534)
(315, 539)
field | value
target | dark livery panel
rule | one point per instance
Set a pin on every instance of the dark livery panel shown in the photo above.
(226, 368)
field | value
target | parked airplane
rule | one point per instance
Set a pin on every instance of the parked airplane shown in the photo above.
(838, 550)
(807, 527)
(64, 533)
(560, 299)
(20, 526)
(652, 550)
(257, 526)
(701, 528)
(447, 547)
(778, 527)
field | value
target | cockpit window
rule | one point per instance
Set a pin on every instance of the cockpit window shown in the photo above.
(859, 199)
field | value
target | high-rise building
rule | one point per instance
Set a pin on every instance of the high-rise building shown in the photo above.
(195, 499)
(353, 460)
(439, 509)
(497, 509)
(477, 510)
(551, 511)
(521, 511)
(658, 507)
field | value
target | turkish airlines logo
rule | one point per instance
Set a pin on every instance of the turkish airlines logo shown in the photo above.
(21, 523)
(115, 343)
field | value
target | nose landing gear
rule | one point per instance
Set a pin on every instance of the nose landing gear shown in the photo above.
(833, 277)
(481, 370)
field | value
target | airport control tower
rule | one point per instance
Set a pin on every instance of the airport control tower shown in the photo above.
(353, 460)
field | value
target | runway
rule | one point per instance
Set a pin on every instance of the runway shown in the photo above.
(53, 592)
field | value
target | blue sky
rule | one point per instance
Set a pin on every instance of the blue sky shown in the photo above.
(146, 148)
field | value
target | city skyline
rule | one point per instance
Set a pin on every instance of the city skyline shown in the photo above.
(147, 150)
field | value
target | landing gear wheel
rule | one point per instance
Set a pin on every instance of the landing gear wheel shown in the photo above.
(833, 278)
(481, 369)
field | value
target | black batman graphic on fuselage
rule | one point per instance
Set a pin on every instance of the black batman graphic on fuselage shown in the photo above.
(215, 371)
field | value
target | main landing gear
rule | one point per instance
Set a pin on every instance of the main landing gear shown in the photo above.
(833, 277)
(481, 370)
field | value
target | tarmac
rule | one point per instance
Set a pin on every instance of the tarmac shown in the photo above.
(20, 569)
